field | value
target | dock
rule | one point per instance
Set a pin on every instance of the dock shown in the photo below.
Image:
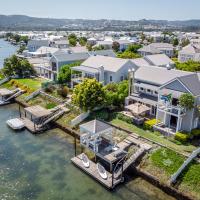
(109, 183)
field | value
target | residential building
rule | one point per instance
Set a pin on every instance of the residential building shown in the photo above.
(160, 89)
(104, 69)
(157, 48)
(189, 52)
(35, 44)
(160, 60)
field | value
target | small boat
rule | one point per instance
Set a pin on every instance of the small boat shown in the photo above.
(3, 102)
(85, 160)
(102, 171)
(16, 124)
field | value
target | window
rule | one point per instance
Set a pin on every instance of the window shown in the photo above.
(122, 78)
(111, 79)
(156, 92)
(142, 88)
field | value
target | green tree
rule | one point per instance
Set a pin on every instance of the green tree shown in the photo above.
(21, 49)
(175, 42)
(65, 72)
(186, 101)
(88, 95)
(24, 39)
(128, 55)
(133, 48)
(116, 46)
(72, 36)
(82, 41)
(98, 48)
(116, 93)
(185, 42)
(72, 42)
(15, 66)
(190, 65)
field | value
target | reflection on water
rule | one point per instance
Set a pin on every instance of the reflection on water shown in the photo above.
(39, 168)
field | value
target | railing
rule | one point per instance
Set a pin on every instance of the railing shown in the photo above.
(171, 109)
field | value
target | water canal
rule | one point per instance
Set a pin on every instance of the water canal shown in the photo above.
(38, 167)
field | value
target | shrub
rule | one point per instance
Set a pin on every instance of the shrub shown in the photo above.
(49, 89)
(195, 132)
(182, 137)
(124, 118)
(50, 105)
(148, 125)
(102, 114)
(63, 91)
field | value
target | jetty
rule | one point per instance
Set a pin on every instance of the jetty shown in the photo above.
(96, 136)
(37, 118)
(6, 96)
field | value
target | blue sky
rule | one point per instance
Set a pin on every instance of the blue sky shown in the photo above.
(106, 9)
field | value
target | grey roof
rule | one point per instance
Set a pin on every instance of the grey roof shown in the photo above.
(85, 69)
(191, 49)
(140, 62)
(158, 75)
(155, 48)
(95, 126)
(192, 83)
(159, 60)
(109, 53)
(109, 63)
(63, 56)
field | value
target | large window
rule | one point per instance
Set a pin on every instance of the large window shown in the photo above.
(111, 78)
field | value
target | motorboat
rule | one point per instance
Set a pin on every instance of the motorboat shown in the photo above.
(85, 161)
(16, 123)
(102, 172)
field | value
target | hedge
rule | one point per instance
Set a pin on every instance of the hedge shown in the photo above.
(122, 117)
(148, 125)
(182, 137)
(195, 132)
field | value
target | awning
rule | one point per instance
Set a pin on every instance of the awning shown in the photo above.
(85, 69)
(147, 86)
(143, 98)
(137, 108)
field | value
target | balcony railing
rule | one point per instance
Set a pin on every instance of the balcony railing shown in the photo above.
(171, 109)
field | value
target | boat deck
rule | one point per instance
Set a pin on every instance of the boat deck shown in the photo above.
(30, 125)
(93, 172)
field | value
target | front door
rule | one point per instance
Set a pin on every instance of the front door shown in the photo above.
(173, 122)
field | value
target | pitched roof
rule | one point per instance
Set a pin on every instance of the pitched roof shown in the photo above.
(108, 52)
(159, 59)
(109, 63)
(158, 75)
(140, 62)
(95, 126)
(191, 48)
(63, 56)
(156, 47)
(192, 83)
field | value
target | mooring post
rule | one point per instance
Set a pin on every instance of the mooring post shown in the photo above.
(75, 146)
(20, 115)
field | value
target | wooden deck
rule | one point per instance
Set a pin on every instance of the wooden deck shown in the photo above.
(30, 125)
(92, 171)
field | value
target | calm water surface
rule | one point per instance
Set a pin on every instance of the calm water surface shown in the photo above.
(39, 168)
(6, 50)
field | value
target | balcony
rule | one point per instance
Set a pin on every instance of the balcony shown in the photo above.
(168, 108)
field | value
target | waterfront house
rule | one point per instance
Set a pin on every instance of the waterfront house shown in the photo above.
(150, 85)
(61, 44)
(104, 69)
(123, 44)
(157, 48)
(189, 52)
(35, 44)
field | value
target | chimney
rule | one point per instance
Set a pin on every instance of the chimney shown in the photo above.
(101, 74)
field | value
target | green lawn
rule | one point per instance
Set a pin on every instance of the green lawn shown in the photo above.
(154, 136)
(34, 83)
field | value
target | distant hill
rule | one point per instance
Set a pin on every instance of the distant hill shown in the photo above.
(22, 22)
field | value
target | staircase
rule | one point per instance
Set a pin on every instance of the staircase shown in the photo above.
(34, 94)
(16, 94)
(184, 165)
